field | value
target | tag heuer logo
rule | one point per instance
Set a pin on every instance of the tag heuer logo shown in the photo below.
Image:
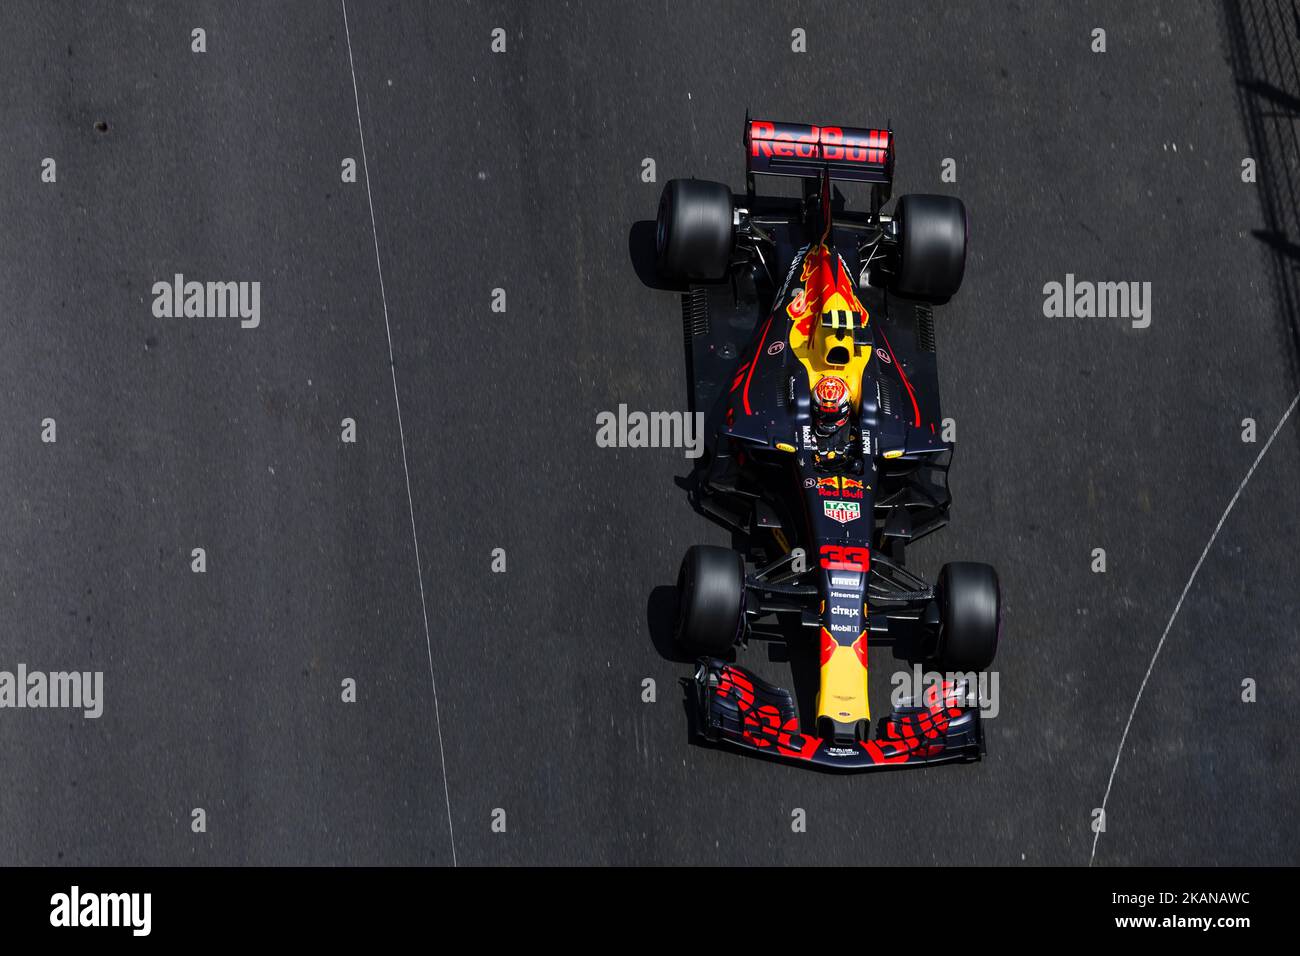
(842, 511)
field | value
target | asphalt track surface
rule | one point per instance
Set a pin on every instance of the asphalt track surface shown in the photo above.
(521, 170)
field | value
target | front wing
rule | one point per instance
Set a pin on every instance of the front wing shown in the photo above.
(736, 707)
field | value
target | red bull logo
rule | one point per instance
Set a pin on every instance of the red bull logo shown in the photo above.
(819, 280)
(835, 487)
(829, 143)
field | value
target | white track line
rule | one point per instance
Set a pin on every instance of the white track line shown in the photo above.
(410, 501)
(1177, 607)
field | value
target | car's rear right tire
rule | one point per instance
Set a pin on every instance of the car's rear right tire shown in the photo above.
(711, 592)
(694, 232)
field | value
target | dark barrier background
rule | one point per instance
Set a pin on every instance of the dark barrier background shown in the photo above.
(1264, 46)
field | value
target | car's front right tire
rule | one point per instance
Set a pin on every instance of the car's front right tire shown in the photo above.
(711, 592)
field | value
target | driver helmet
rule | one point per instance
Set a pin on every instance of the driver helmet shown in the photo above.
(831, 405)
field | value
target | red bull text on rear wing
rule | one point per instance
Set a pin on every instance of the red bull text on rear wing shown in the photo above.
(796, 149)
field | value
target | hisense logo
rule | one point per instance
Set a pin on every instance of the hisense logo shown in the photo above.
(208, 300)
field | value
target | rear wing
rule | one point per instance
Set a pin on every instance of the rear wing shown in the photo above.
(795, 149)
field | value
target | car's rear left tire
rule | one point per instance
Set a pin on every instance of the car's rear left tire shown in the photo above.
(711, 592)
(970, 616)
(694, 232)
(932, 233)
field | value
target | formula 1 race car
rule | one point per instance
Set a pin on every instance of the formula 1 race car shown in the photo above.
(811, 342)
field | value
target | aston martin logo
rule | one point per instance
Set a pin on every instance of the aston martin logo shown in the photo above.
(842, 511)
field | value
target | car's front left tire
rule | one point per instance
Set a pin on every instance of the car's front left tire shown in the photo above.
(970, 616)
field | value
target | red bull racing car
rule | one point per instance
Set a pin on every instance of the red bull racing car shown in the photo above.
(811, 344)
